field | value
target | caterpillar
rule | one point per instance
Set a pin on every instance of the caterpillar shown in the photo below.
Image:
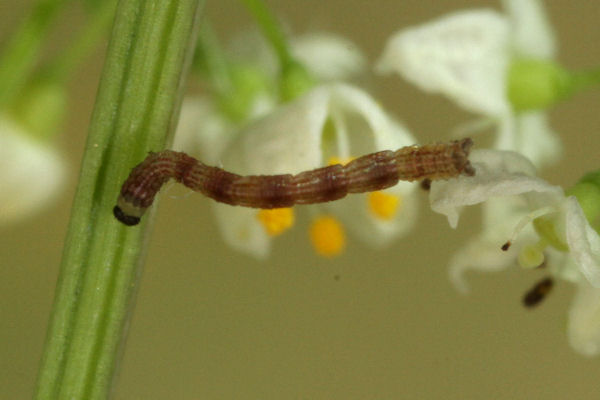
(370, 172)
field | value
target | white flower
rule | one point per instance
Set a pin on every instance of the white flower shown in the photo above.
(327, 56)
(466, 56)
(540, 221)
(331, 121)
(31, 174)
(204, 130)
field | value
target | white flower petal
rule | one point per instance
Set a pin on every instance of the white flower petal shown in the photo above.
(533, 35)
(202, 131)
(498, 174)
(562, 265)
(355, 214)
(529, 134)
(500, 216)
(463, 55)
(242, 230)
(584, 320)
(374, 131)
(290, 140)
(31, 174)
(286, 141)
(382, 133)
(583, 241)
(329, 57)
(479, 254)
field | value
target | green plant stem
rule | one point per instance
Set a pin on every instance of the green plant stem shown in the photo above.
(582, 80)
(272, 30)
(95, 28)
(295, 78)
(136, 108)
(19, 55)
(211, 61)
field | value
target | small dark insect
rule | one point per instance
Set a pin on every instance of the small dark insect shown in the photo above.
(506, 246)
(368, 173)
(538, 292)
(426, 184)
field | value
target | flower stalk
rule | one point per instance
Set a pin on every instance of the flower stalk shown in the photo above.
(20, 54)
(86, 40)
(295, 79)
(136, 109)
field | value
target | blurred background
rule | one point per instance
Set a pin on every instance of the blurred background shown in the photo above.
(211, 323)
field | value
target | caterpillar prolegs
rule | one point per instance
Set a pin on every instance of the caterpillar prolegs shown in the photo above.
(368, 173)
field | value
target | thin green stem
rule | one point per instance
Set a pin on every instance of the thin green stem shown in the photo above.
(295, 78)
(63, 66)
(18, 58)
(271, 29)
(211, 60)
(584, 79)
(136, 109)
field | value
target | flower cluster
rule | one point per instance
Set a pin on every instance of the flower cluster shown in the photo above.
(332, 122)
(499, 65)
(540, 226)
(478, 58)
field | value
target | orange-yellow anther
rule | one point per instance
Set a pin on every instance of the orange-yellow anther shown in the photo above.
(277, 220)
(384, 205)
(337, 160)
(327, 236)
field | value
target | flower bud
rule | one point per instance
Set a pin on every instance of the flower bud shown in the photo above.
(536, 84)
(587, 192)
(248, 84)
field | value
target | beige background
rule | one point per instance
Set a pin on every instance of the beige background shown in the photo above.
(214, 324)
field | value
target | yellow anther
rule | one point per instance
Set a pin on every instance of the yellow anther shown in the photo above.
(384, 205)
(327, 236)
(277, 220)
(337, 160)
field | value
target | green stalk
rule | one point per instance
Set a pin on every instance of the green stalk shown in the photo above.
(295, 80)
(584, 79)
(96, 27)
(136, 108)
(271, 29)
(20, 54)
(210, 60)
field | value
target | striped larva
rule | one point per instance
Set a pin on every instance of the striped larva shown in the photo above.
(368, 173)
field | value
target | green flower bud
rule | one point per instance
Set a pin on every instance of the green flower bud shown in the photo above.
(587, 192)
(537, 84)
(248, 83)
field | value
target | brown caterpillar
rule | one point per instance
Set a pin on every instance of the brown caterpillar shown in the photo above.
(371, 172)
